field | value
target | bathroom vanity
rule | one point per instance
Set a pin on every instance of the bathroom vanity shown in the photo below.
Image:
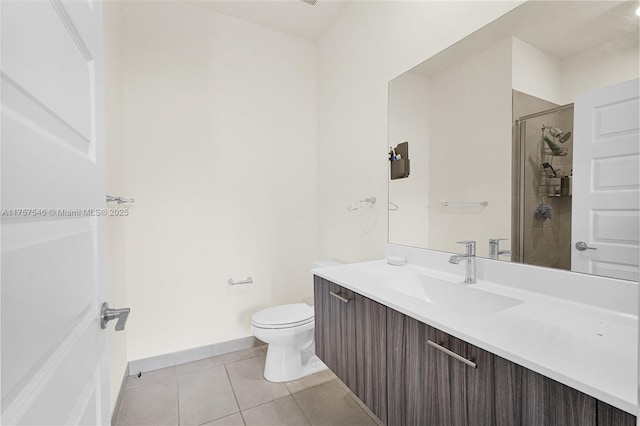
(525, 345)
(473, 355)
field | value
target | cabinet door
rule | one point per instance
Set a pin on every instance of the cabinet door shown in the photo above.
(425, 385)
(335, 332)
(371, 365)
(351, 339)
(525, 397)
(405, 368)
(611, 416)
(482, 391)
(565, 406)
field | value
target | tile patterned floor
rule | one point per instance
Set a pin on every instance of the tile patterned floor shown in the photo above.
(229, 390)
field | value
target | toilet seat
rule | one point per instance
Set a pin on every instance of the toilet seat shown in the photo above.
(283, 316)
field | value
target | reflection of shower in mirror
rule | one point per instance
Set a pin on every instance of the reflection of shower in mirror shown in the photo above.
(543, 236)
(557, 133)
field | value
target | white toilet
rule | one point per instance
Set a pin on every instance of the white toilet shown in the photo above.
(289, 332)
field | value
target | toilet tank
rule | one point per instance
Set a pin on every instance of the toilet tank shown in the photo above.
(324, 262)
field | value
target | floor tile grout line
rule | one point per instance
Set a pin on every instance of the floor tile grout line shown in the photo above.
(234, 393)
(223, 417)
(361, 405)
(287, 387)
(309, 387)
(143, 390)
(211, 366)
(234, 396)
(265, 403)
(356, 400)
(227, 375)
(291, 392)
(304, 413)
(220, 418)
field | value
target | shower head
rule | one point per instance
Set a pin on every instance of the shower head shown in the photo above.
(557, 133)
(564, 137)
(311, 2)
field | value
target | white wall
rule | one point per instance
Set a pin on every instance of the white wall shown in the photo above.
(220, 155)
(537, 73)
(470, 150)
(409, 121)
(117, 341)
(369, 45)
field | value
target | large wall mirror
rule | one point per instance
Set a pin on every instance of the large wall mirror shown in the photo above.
(525, 131)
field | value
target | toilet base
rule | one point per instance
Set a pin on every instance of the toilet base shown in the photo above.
(285, 364)
(314, 365)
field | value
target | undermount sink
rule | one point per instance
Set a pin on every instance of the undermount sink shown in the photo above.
(461, 298)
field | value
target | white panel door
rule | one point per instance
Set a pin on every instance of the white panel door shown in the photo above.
(606, 182)
(53, 261)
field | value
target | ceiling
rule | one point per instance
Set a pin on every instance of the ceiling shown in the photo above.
(560, 28)
(288, 16)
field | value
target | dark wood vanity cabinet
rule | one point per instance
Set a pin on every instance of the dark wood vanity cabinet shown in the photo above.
(429, 387)
(335, 332)
(611, 416)
(385, 359)
(424, 386)
(351, 338)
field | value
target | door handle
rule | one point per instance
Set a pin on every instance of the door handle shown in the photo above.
(582, 246)
(107, 314)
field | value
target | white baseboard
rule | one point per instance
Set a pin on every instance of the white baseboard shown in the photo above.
(193, 354)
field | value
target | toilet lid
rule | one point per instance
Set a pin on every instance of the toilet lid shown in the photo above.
(284, 315)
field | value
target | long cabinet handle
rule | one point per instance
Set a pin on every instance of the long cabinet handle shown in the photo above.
(452, 354)
(340, 298)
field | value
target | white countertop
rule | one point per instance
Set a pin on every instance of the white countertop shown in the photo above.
(591, 349)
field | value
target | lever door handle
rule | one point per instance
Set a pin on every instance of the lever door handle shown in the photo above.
(582, 246)
(107, 314)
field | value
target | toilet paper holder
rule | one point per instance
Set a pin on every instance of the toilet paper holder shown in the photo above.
(231, 281)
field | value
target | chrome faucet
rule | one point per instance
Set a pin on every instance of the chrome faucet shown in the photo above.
(470, 256)
(494, 249)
